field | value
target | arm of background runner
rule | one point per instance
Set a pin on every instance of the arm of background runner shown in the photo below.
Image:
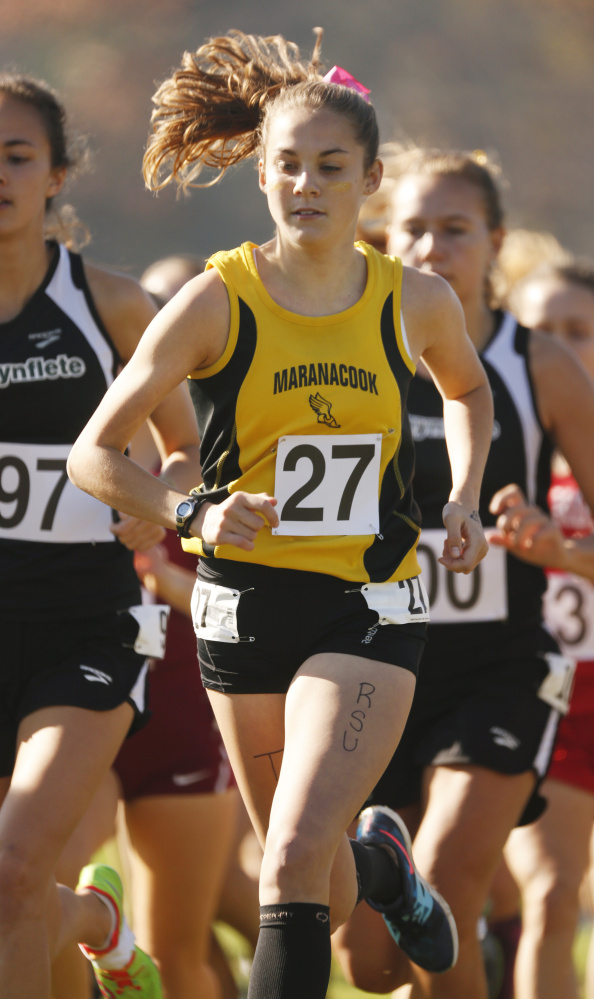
(435, 327)
(532, 535)
(565, 401)
(127, 310)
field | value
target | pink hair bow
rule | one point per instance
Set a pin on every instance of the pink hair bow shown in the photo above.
(341, 76)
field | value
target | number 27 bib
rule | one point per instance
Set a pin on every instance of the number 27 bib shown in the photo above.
(328, 485)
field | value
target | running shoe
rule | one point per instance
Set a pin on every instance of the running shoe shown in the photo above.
(139, 979)
(420, 920)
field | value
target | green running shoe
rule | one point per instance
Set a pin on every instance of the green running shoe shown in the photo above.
(139, 979)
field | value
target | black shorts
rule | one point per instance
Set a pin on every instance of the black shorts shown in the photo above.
(258, 625)
(492, 717)
(84, 663)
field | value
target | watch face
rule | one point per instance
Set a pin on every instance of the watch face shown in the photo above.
(184, 508)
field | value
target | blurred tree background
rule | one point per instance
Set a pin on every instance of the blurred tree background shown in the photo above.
(513, 77)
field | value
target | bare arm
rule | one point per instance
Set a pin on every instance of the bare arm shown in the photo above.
(127, 310)
(190, 332)
(164, 579)
(565, 399)
(435, 324)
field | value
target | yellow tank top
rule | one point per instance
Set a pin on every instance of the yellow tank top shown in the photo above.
(311, 409)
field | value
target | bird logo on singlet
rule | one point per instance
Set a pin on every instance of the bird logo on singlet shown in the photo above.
(321, 408)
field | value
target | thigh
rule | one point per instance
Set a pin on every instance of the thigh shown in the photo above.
(180, 849)
(319, 748)
(63, 754)
(344, 717)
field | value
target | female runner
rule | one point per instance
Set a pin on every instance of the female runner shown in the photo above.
(74, 644)
(308, 606)
(549, 857)
(492, 686)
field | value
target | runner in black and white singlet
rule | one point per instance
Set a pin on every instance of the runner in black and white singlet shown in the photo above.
(75, 636)
(493, 684)
(308, 609)
(550, 858)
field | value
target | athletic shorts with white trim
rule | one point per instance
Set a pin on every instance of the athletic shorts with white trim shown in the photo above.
(256, 626)
(491, 717)
(84, 663)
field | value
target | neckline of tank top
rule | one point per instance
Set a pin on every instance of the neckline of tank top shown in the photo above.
(248, 251)
(41, 288)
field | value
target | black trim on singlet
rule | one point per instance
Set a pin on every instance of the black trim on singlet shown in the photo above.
(397, 533)
(38, 293)
(219, 450)
(521, 346)
(80, 281)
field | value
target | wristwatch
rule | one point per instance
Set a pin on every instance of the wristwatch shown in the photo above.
(185, 512)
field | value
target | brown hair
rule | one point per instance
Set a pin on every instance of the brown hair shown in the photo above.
(214, 110)
(522, 252)
(62, 224)
(573, 270)
(476, 168)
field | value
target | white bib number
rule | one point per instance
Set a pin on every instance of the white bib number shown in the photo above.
(328, 485)
(555, 689)
(39, 503)
(457, 598)
(153, 619)
(214, 612)
(402, 602)
(569, 614)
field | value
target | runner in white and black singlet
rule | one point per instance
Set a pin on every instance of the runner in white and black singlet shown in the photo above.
(75, 638)
(492, 685)
(549, 859)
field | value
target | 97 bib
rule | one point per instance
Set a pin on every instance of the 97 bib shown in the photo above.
(39, 503)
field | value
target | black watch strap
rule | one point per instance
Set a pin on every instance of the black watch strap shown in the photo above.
(183, 522)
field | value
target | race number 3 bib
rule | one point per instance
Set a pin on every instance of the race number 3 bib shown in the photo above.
(328, 485)
(456, 598)
(569, 613)
(39, 503)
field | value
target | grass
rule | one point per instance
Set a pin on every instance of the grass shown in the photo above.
(238, 951)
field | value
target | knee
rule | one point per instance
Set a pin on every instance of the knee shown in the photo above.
(551, 904)
(292, 860)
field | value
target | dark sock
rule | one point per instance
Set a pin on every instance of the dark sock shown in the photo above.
(507, 932)
(378, 876)
(292, 958)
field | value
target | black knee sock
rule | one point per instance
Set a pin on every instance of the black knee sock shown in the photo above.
(292, 958)
(378, 877)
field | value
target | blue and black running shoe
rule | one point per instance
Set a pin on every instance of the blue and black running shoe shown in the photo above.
(420, 920)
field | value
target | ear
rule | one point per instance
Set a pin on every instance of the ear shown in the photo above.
(373, 177)
(261, 176)
(56, 181)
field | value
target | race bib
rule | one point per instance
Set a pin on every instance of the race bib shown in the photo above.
(456, 598)
(555, 689)
(39, 503)
(152, 619)
(569, 614)
(328, 485)
(402, 602)
(214, 612)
